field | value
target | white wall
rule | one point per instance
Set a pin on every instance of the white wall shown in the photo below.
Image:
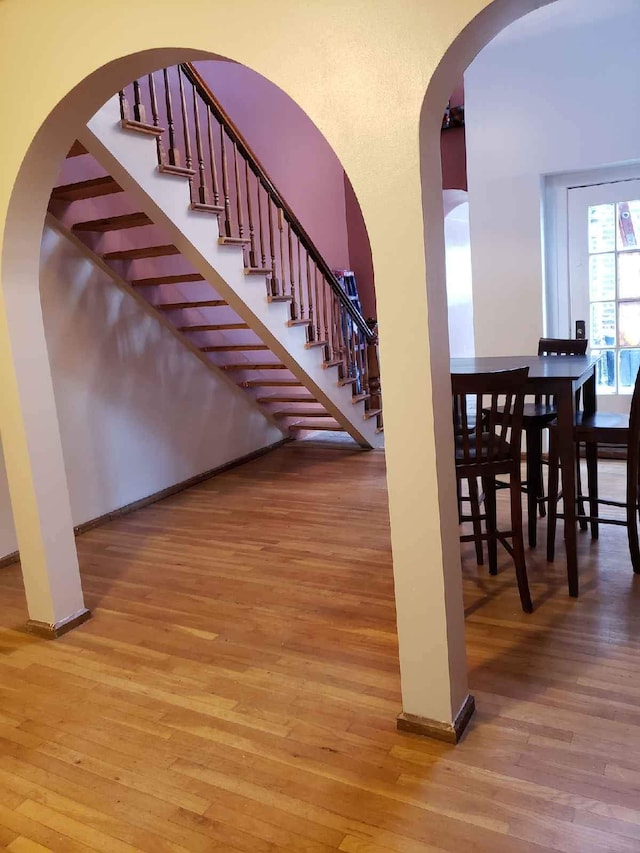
(138, 412)
(558, 91)
(459, 280)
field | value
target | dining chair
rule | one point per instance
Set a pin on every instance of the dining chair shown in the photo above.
(593, 430)
(536, 417)
(489, 448)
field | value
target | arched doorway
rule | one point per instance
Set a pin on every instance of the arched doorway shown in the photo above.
(384, 168)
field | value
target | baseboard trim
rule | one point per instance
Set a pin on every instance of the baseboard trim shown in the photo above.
(51, 631)
(158, 496)
(449, 732)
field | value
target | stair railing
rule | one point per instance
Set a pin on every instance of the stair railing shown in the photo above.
(196, 138)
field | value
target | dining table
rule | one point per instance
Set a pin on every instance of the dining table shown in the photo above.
(559, 376)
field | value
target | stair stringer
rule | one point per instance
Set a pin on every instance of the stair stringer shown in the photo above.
(130, 159)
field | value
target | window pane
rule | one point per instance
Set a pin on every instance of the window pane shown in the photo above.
(605, 372)
(602, 228)
(629, 324)
(603, 324)
(602, 276)
(628, 275)
(628, 364)
(628, 225)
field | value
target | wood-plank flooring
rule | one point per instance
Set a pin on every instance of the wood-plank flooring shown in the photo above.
(238, 686)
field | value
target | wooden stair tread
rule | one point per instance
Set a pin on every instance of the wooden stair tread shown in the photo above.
(220, 327)
(279, 298)
(257, 271)
(350, 380)
(286, 398)
(234, 241)
(138, 254)
(236, 348)
(201, 207)
(316, 426)
(141, 127)
(180, 171)
(372, 413)
(309, 413)
(360, 397)
(334, 362)
(206, 303)
(76, 150)
(312, 344)
(252, 366)
(114, 223)
(184, 278)
(86, 189)
(299, 323)
(271, 383)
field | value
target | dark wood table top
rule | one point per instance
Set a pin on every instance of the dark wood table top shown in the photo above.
(540, 366)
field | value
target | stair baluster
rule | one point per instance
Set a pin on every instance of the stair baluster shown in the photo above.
(310, 306)
(283, 275)
(238, 191)
(294, 307)
(212, 160)
(138, 106)
(263, 259)
(324, 301)
(188, 159)
(173, 153)
(275, 291)
(203, 193)
(124, 106)
(300, 285)
(252, 235)
(156, 119)
(225, 183)
(320, 333)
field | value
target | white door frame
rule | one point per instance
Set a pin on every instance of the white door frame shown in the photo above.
(555, 243)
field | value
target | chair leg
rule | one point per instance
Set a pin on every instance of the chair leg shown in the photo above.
(518, 543)
(534, 481)
(474, 500)
(489, 488)
(592, 485)
(552, 516)
(633, 475)
(579, 492)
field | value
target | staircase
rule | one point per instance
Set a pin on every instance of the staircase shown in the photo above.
(163, 190)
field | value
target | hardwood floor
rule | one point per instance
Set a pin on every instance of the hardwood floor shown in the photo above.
(238, 685)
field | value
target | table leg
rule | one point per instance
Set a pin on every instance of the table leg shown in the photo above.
(566, 452)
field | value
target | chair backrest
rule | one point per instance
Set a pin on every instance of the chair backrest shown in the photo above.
(501, 423)
(562, 346)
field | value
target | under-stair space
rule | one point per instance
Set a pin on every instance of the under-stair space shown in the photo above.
(92, 207)
(162, 189)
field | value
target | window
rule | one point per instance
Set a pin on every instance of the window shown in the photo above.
(614, 292)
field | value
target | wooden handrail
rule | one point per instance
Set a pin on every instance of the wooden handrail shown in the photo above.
(258, 169)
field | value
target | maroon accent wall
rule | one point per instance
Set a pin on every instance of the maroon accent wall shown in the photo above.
(453, 151)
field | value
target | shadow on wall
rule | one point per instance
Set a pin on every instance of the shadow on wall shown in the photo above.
(459, 280)
(137, 411)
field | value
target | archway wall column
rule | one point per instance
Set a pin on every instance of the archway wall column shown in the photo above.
(367, 100)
